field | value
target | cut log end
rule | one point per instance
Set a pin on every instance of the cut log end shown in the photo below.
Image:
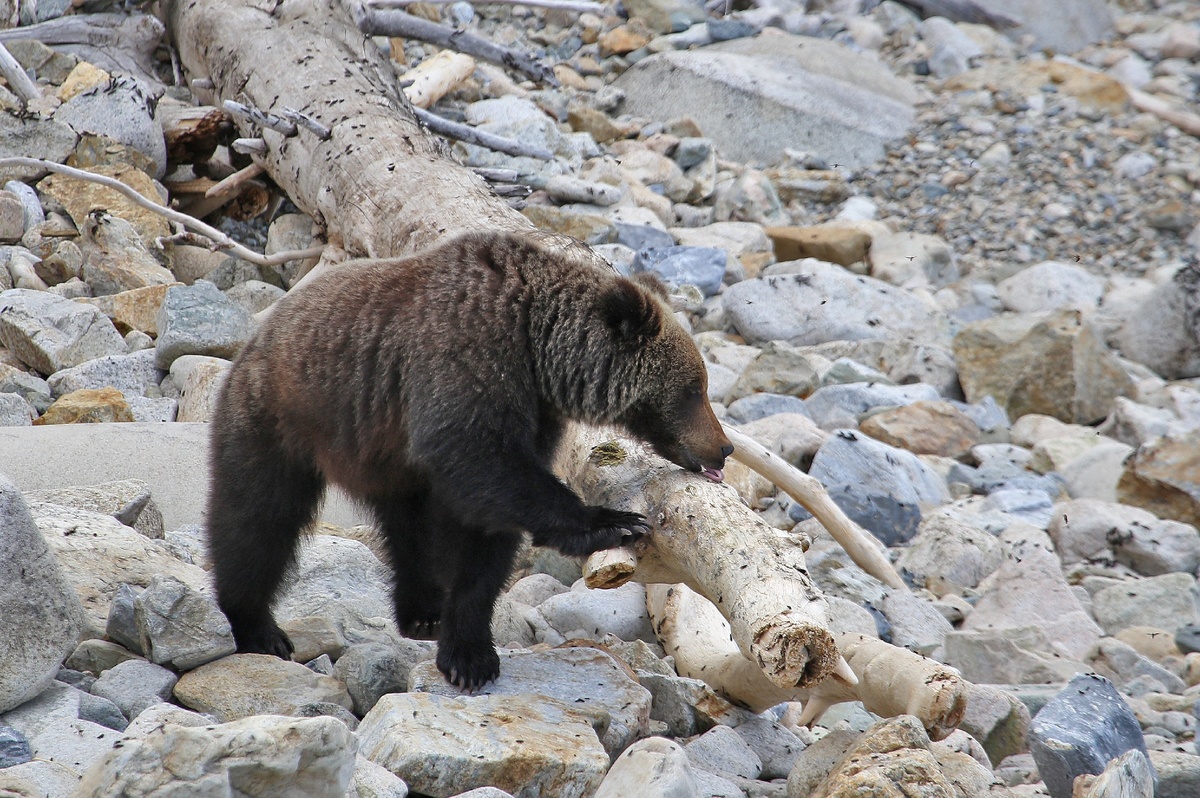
(943, 707)
(794, 655)
(609, 568)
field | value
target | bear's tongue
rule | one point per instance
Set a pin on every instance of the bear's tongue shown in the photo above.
(715, 474)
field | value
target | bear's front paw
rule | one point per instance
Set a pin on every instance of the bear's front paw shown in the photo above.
(263, 639)
(608, 529)
(468, 666)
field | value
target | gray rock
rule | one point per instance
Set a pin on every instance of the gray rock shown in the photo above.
(199, 379)
(40, 614)
(816, 761)
(200, 320)
(777, 746)
(255, 295)
(916, 623)
(74, 743)
(527, 744)
(835, 405)
(127, 500)
(372, 781)
(912, 260)
(1122, 663)
(686, 706)
(953, 51)
(643, 236)
(761, 405)
(877, 485)
(120, 626)
(1178, 774)
(1066, 27)
(595, 613)
(1051, 285)
(1160, 332)
(14, 748)
(563, 188)
(123, 111)
(340, 579)
(809, 302)
(1080, 730)
(845, 114)
(15, 411)
(101, 711)
(779, 369)
(1165, 602)
(117, 259)
(1128, 776)
(372, 670)
(313, 757)
(153, 411)
(30, 387)
(1020, 655)
(179, 626)
(49, 333)
(242, 685)
(1029, 589)
(135, 683)
(133, 375)
(653, 768)
(532, 590)
(793, 437)
(703, 267)
(1030, 505)
(587, 679)
(51, 139)
(949, 555)
(997, 719)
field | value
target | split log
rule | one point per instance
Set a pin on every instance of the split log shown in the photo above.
(887, 679)
(380, 187)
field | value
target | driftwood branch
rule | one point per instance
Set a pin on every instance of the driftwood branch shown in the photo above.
(435, 77)
(1184, 120)
(114, 42)
(472, 135)
(18, 80)
(233, 183)
(222, 241)
(261, 118)
(566, 5)
(811, 494)
(405, 25)
(887, 679)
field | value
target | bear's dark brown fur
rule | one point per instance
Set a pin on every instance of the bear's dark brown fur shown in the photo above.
(435, 389)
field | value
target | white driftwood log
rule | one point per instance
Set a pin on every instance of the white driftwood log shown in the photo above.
(887, 679)
(437, 76)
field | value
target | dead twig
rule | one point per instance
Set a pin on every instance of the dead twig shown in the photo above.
(223, 242)
(471, 135)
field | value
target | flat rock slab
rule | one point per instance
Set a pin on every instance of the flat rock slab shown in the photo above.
(588, 679)
(242, 685)
(529, 745)
(1065, 26)
(753, 97)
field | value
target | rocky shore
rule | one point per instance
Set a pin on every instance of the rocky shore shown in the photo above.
(950, 271)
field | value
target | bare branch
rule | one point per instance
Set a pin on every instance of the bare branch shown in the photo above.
(456, 130)
(233, 183)
(222, 241)
(399, 23)
(17, 79)
(249, 146)
(307, 122)
(261, 118)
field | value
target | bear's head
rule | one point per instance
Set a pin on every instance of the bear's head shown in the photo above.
(668, 407)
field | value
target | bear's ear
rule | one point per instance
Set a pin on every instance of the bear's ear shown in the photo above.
(630, 312)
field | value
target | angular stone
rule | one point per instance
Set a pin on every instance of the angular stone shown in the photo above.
(808, 302)
(1178, 774)
(40, 614)
(937, 428)
(893, 756)
(1164, 478)
(1008, 656)
(916, 623)
(127, 500)
(180, 627)
(950, 555)
(703, 267)
(590, 228)
(654, 768)
(1080, 730)
(30, 387)
(199, 379)
(120, 110)
(792, 436)
(133, 375)
(81, 197)
(313, 757)
(99, 554)
(241, 685)
(1028, 589)
(1167, 602)
(764, 405)
(780, 368)
(1160, 331)
(200, 320)
(337, 579)
(134, 684)
(1056, 365)
(49, 333)
(116, 258)
(844, 246)
(87, 406)
(839, 104)
(1064, 27)
(526, 744)
(912, 260)
(745, 244)
(997, 719)
(624, 39)
(20, 136)
(587, 679)
(722, 750)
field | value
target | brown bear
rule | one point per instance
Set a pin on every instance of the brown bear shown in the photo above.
(434, 389)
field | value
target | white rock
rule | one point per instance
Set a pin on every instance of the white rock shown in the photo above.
(1050, 285)
(49, 333)
(652, 768)
(40, 614)
(263, 756)
(337, 578)
(199, 379)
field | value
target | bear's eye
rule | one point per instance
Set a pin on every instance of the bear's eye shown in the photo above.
(691, 393)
